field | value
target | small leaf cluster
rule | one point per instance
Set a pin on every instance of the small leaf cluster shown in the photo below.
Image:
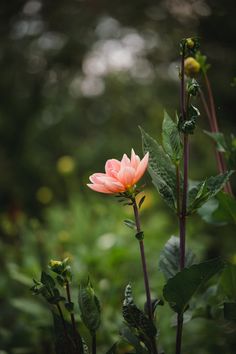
(68, 339)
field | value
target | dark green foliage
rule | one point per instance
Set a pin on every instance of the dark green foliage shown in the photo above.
(220, 210)
(63, 332)
(230, 311)
(135, 317)
(228, 281)
(132, 338)
(179, 289)
(112, 350)
(169, 258)
(89, 307)
(171, 139)
(161, 169)
(206, 190)
(47, 288)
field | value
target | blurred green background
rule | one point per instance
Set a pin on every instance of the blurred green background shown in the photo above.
(77, 78)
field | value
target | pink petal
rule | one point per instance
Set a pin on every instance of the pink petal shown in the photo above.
(114, 187)
(112, 167)
(126, 176)
(99, 188)
(111, 184)
(141, 168)
(135, 160)
(125, 162)
(94, 178)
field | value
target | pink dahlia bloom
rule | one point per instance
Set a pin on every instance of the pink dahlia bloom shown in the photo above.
(121, 175)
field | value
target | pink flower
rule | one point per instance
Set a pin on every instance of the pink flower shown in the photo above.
(121, 175)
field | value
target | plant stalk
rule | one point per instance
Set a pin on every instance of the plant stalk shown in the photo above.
(94, 343)
(62, 320)
(76, 335)
(145, 273)
(183, 209)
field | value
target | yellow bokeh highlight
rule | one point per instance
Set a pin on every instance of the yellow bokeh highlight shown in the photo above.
(63, 236)
(44, 195)
(65, 165)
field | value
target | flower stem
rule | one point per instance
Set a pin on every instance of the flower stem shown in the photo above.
(79, 345)
(145, 273)
(62, 320)
(182, 211)
(94, 343)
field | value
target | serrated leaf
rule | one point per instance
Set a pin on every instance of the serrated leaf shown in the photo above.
(47, 280)
(171, 139)
(169, 263)
(130, 223)
(203, 191)
(161, 169)
(135, 317)
(228, 281)
(89, 307)
(230, 311)
(219, 139)
(132, 339)
(179, 290)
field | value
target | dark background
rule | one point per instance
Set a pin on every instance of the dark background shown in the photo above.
(76, 80)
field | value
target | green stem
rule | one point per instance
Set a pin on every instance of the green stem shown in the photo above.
(145, 273)
(62, 319)
(94, 343)
(182, 212)
(76, 335)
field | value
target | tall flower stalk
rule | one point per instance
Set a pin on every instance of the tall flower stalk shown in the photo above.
(182, 207)
(120, 178)
(144, 267)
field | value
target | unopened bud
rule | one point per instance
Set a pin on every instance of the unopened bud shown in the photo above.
(190, 43)
(191, 67)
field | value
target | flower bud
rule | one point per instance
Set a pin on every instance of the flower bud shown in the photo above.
(56, 266)
(190, 43)
(191, 67)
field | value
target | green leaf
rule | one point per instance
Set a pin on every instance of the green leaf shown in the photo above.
(132, 339)
(203, 191)
(89, 307)
(141, 201)
(135, 317)
(169, 258)
(64, 337)
(47, 280)
(226, 211)
(228, 281)
(112, 350)
(161, 169)
(130, 223)
(69, 306)
(171, 139)
(230, 311)
(179, 290)
(219, 139)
